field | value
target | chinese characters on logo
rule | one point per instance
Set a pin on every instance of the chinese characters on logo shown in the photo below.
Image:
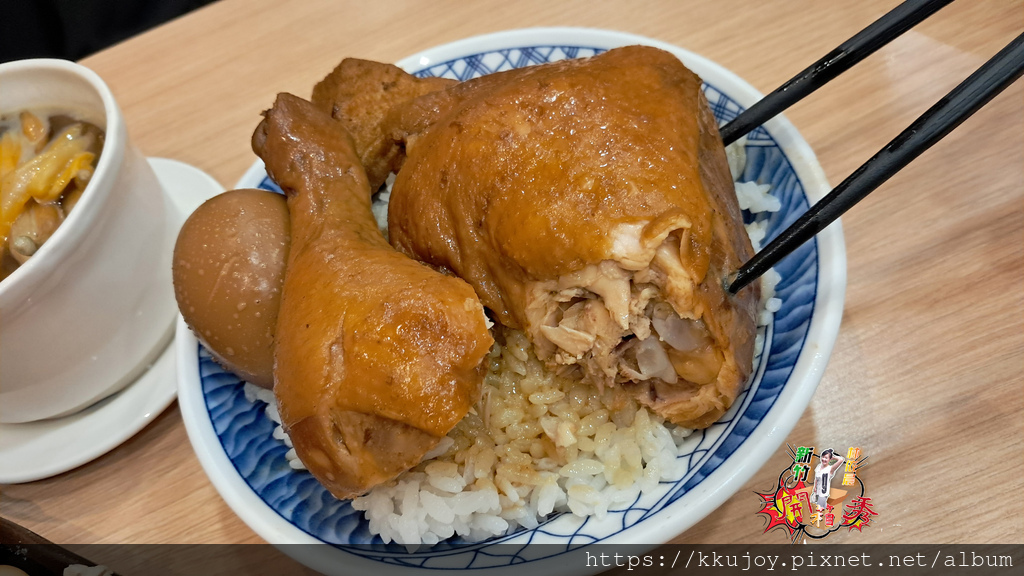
(850, 477)
(805, 503)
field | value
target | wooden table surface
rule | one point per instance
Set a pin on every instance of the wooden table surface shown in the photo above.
(926, 375)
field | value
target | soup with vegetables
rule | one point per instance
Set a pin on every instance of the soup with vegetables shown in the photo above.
(47, 158)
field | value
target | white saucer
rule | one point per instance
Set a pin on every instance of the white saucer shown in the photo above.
(37, 450)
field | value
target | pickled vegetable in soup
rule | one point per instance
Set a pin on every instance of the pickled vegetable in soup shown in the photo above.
(46, 160)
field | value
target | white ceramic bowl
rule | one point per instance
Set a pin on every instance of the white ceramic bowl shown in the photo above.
(233, 439)
(94, 306)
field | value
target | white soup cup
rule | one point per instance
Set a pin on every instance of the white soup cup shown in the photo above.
(94, 306)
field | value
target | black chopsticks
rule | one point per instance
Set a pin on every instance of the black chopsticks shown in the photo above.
(33, 554)
(973, 93)
(860, 46)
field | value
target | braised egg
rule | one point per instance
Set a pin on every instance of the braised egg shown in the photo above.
(228, 270)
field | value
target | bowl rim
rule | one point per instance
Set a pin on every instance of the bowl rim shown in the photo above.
(68, 237)
(748, 458)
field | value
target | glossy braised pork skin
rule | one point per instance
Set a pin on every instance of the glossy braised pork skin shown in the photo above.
(377, 356)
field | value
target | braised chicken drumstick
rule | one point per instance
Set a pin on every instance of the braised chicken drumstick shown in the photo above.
(377, 356)
(589, 203)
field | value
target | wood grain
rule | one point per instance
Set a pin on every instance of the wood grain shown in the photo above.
(926, 375)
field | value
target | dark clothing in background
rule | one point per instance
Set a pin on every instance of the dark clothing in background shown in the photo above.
(73, 29)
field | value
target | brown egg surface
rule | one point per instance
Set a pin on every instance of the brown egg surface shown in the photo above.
(229, 264)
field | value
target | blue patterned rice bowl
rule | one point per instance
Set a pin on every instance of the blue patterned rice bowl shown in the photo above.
(234, 437)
